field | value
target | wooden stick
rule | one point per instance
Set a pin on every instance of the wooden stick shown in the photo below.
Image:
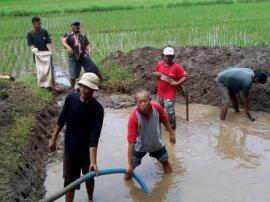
(187, 110)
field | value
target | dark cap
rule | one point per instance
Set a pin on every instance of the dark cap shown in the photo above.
(74, 21)
(260, 76)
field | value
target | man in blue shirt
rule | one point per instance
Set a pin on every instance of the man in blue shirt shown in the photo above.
(83, 116)
(234, 80)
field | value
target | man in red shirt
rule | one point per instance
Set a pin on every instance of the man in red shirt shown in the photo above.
(144, 133)
(170, 76)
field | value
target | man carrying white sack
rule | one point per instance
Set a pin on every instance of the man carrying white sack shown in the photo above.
(41, 46)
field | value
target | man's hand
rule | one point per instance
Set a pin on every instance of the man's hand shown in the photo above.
(34, 49)
(165, 78)
(128, 174)
(52, 144)
(89, 53)
(172, 137)
(70, 51)
(93, 167)
(157, 75)
(174, 83)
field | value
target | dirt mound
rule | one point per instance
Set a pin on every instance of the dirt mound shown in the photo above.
(23, 159)
(203, 64)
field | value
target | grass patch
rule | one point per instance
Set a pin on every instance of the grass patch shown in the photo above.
(120, 79)
(14, 142)
(42, 94)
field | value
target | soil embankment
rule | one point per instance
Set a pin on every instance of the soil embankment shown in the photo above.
(203, 64)
(26, 123)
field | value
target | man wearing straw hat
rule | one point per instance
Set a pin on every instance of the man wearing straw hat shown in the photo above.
(83, 116)
(170, 76)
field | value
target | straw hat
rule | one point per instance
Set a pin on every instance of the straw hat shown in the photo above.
(90, 80)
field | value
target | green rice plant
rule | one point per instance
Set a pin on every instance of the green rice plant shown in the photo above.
(21, 8)
(216, 25)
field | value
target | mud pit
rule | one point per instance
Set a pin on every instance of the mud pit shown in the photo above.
(203, 64)
(212, 160)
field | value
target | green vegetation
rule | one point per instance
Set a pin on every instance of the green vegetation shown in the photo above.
(155, 23)
(33, 7)
(19, 107)
(42, 95)
(120, 79)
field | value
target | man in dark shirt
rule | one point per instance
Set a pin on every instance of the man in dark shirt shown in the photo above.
(38, 37)
(79, 52)
(39, 40)
(83, 116)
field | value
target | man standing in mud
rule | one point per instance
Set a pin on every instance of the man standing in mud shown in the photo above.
(80, 53)
(144, 133)
(39, 40)
(83, 116)
(234, 80)
(170, 76)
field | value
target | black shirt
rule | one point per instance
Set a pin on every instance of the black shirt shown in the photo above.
(83, 123)
(39, 39)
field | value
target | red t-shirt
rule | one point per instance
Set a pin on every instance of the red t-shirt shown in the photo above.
(175, 72)
(133, 120)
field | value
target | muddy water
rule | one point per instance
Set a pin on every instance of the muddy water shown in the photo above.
(212, 161)
(60, 76)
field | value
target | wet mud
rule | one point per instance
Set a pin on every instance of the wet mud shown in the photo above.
(212, 160)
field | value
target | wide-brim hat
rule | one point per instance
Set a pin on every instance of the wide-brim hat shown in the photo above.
(90, 80)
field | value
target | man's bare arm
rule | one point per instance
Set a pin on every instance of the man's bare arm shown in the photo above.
(130, 153)
(128, 175)
(157, 75)
(53, 140)
(246, 109)
(180, 82)
(89, 50)
(49, 46)
(93, 158)
(65, 44)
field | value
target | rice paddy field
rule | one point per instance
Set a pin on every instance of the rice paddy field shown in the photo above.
(126, 25)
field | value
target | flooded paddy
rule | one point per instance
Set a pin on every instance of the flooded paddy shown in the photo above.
(215, 161)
